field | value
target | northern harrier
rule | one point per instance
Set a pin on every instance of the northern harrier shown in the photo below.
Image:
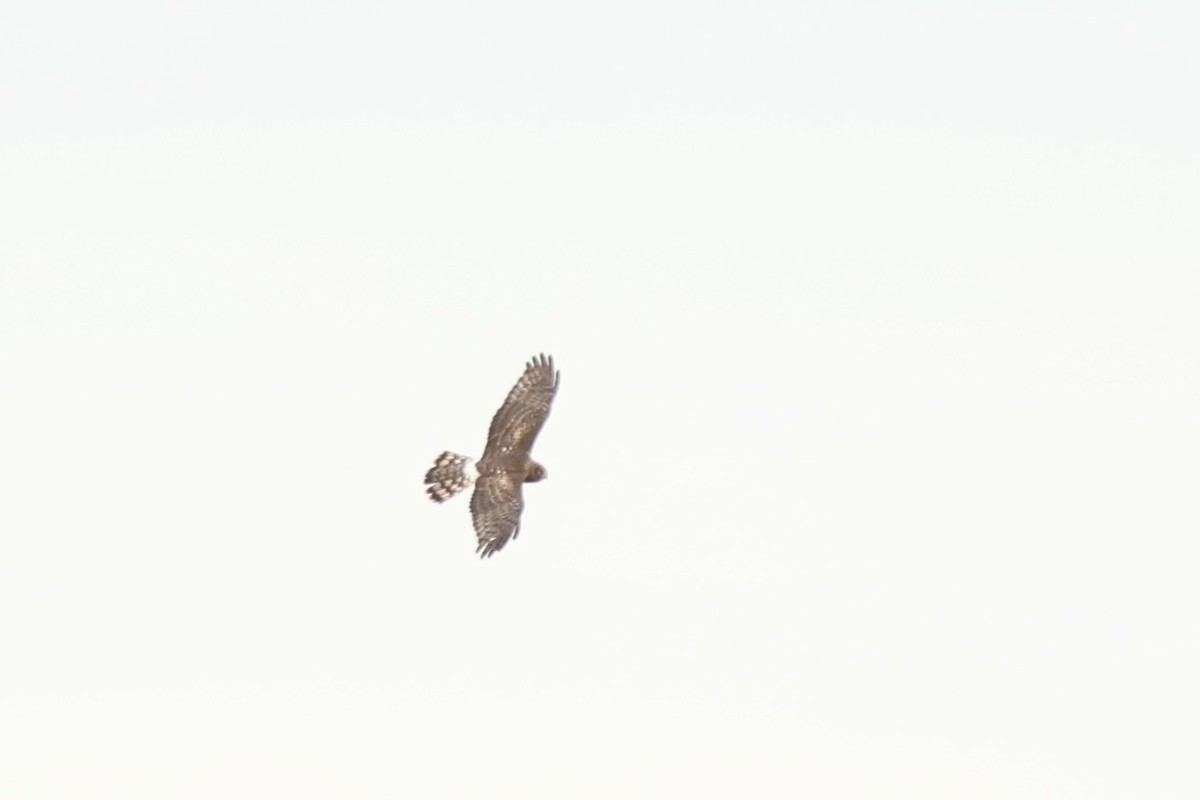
(496, 504)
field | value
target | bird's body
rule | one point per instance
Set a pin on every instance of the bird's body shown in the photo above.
(497, 476)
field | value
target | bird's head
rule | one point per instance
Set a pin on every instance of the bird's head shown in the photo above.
(535, 473)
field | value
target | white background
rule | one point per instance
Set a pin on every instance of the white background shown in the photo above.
(873, 471)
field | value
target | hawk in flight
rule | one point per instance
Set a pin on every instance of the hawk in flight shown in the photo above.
(496, 504)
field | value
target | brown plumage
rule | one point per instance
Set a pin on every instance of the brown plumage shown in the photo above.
(496, 503)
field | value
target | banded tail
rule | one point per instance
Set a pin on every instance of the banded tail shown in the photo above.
(449, 475)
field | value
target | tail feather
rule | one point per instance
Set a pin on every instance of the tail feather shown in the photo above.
(449, 475)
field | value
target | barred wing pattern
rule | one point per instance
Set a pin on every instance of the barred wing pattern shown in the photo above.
(496, 511)
(496, 504)
(516, 424)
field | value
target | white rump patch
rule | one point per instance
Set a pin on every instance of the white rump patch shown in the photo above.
(469, 471)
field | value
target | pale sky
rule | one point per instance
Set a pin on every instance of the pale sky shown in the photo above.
(872, 474)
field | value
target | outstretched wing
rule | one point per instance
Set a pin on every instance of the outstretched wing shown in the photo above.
(516, 424)
(496, 511)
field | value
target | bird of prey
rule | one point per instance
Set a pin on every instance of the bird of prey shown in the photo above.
(496, 503)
